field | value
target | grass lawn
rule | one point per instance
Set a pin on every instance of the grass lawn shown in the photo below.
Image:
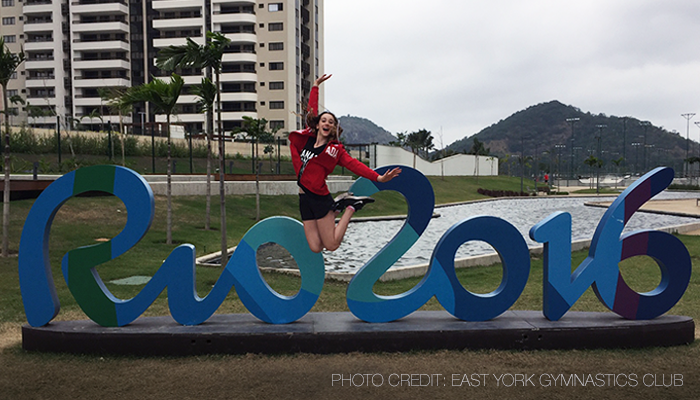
(84, 220)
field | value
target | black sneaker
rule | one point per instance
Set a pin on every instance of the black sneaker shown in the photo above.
(338, 199)
(357, 202)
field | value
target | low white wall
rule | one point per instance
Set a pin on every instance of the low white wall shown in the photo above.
(455, 165)
(232, 148)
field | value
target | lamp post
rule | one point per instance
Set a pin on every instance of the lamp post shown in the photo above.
(645, 125)
(572, 121)
(624, 143)
(636, 156)
(143, 124)
(600, 157)
(697, 123)
(153, 148)
(559, 148)
(688, 117)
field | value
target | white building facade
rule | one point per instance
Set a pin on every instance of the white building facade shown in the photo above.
(77, 48)
(455, 165)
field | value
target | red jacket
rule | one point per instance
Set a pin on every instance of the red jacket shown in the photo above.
(319, 167)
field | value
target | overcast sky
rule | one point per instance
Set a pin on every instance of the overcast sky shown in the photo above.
(458, 66)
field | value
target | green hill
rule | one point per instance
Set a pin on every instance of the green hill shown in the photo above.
(358, 130)
(543, 129)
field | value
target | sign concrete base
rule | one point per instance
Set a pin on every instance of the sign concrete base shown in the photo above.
(341, 332)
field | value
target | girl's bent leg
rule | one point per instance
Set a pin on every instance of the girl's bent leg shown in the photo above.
(331, 235)
(313, 236)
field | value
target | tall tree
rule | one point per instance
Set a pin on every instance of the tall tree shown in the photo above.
(207, 96)
(207, 56)
(8, 66)
(163, 97)
(256, 129)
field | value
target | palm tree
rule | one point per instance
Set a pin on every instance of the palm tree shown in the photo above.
(8, 66)
(207, 56)
(94, 114)
(115, 101)
(163, 97)
(617, 163)
(257, 130)
(421, 140)
(594, 162)
(207, 95)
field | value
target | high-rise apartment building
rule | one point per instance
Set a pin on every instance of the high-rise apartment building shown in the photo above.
(76, 48)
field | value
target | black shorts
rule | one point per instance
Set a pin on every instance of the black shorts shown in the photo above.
(313, 206)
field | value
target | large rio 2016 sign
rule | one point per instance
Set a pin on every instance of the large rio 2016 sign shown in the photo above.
(561, 288)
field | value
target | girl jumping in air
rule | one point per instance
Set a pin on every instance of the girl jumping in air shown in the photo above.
(316, 151)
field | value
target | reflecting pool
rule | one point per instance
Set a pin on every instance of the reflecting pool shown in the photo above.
(364, 239)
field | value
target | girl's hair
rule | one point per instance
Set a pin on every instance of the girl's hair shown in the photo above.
(312, 122)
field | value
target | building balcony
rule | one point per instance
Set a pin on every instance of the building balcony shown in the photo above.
(239, 57)
(165, 42)
(187, 118)
(248, 38)
(35, 8)
(237, 115)
(99, 9)
(48, 82)
(39, 45)
(100, 27)
(99, 45)
(239, 96)
(178, 23)
(176, 5)
(80, 82)
(40, 64)
(79, 101)
(101, 64)
(187, 99)
(249, 2)
(229, 18)
(39, 27)
(239, 77)
(47, 97)
(189, 80)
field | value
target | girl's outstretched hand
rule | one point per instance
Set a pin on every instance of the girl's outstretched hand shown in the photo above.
(322, 79)
(389, 175)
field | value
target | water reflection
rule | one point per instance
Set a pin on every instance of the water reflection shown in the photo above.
(363, 240)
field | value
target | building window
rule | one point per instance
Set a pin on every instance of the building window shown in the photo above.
(262, 83)
(272, 7)
(8, 3)
(276, 125)
(10, 38)
(8, 21)
(275, 26)
(276, 85)
(276, 66)
(276, 46)
(11, 93)
(276, 105)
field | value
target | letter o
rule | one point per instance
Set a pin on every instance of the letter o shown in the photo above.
(515, 257)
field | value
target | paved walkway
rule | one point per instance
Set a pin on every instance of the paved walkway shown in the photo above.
(681, 207)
